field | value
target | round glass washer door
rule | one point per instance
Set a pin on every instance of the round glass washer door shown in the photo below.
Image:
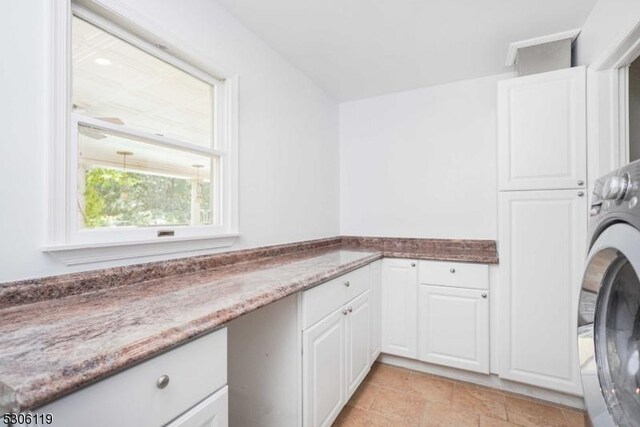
(610, 311)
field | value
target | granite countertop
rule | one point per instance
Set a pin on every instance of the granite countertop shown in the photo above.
(53, 347)
(59, 334)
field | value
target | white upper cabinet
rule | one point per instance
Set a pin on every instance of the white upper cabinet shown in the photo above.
(400, 307)
(542, 131)
(542, 249)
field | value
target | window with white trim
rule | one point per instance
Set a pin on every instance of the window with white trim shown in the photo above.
(149, 153)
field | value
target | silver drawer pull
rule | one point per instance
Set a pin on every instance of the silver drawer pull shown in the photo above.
(347, 283)
(344, 311)
(350, 309)
(453, 270)
(484, 295)
(413, 264)
(163, 381)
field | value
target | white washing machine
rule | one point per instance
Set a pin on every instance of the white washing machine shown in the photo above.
(609, 311)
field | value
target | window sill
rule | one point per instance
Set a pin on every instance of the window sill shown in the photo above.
(99, 252)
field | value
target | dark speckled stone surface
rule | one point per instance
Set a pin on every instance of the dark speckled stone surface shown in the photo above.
(53, 347)
(59, 334)
(478, 251)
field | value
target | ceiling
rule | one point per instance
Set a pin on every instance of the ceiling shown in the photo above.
(361, 48)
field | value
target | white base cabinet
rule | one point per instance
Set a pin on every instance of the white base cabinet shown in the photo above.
(453, 327)
(542, 248)
(357, 341)
(323, 370)
(376, 309)
(399, 307)
(336, 350)
(211, 412)
(195, 374)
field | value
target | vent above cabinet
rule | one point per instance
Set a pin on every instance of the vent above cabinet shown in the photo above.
(542, 54)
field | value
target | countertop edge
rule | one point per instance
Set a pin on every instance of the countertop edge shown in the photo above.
(472, 259)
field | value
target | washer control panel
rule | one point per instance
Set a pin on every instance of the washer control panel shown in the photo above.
(617, 194)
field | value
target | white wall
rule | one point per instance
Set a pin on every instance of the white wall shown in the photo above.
(421, 163)
(608, 21)
(289, 166)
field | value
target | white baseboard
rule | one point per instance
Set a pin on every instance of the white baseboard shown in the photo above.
(491, 380)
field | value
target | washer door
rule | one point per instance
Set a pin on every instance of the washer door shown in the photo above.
(609, 328)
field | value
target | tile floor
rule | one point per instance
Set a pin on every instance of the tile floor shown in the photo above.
(391, 396)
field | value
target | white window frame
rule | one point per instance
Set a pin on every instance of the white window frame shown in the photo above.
(64, 239)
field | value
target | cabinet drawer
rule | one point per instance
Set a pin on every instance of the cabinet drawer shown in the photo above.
(211, 412)
(133, 397)
(320, 301)
(455, 274)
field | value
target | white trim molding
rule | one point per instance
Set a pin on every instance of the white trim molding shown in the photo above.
(622, 53)
(61, 239)
(90, 253)
(58, 124)
(512, 53)
(607, 106)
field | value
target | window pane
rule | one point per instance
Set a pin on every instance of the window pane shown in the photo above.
(128, 183)
(119, 83)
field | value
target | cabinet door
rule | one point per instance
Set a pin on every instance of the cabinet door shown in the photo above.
(400, 307)
(376, 309)
(542, 238)
(211, 412)
(542, 131)
(357, 345)
(323, 370)
(453, 327)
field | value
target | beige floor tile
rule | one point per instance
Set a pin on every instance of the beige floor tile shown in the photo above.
(479, 400)
(443, 415)
(364, 395)
(432, 388)
(494, 422)
(529, 413)
(352, 416)
(388, 376)
(396, 397)
(407, 407)
(574, 418)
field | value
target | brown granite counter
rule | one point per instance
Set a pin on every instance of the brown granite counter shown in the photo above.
(59, 334)
(53, 347)
(477, 251)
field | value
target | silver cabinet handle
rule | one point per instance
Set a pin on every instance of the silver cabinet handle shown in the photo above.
(580, 193)
(350, 309)
(163, 381)
(344, 311)
(484, 295)
(452, 270)
(347, 283)
(413, 264)
(580, 182)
